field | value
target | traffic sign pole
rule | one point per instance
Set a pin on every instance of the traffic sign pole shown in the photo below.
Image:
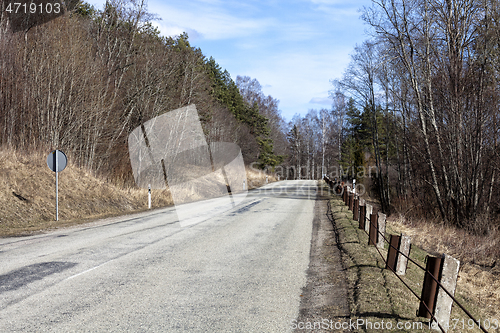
(57, 161)
(57, 188)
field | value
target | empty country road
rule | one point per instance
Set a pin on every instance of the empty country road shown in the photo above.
(240, 271)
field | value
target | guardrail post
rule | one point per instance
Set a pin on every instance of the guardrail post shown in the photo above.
(429, 288)
(373, 227)
(362, 214)
(355, 209)
(351, 201)
(368, 213)
(404, 248)
(338, 189)
(392, 253)
(381, 230)
(399, 249)
(448, 279)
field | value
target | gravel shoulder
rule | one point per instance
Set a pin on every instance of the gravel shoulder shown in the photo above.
(325, 297)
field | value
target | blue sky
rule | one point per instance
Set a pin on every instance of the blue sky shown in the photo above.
(293, 48)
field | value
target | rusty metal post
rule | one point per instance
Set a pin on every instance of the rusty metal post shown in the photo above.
(372, 234)
(361, 203)
(355, 209)
(430, 287)
(362, 216)
(392, 253)
(399, 250)
(381, 230)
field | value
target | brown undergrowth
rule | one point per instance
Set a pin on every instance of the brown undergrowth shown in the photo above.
(257, 178)
(27, 194)
(479, 274)
(477, 289)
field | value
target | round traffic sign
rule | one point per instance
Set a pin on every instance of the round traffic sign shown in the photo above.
(58, 158)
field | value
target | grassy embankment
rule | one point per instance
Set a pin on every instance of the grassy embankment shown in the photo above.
(27, 195)
(376, 294)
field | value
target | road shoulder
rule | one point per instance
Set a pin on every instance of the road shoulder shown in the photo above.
(324, 298)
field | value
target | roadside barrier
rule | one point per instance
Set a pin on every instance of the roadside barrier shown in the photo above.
(441, 273)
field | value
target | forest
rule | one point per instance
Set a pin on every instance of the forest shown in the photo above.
(414, 117)
(82, 81)
(419, 102)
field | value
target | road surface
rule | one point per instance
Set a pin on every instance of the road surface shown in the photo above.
(239, 271)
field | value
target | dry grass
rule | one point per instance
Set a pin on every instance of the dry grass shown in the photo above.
(257, 178)
(27, 195)
(478, 280)
(375, 293)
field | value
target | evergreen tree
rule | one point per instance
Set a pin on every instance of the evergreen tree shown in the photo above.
(226, 92)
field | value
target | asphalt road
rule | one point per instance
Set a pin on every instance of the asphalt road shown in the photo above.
(239, 271)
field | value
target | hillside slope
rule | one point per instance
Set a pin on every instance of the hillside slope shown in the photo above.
(27, 195)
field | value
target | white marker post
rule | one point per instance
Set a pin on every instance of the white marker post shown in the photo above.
(149, 196)
(354, 186)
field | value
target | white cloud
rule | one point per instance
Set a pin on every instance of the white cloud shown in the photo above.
(169, 30)
(327, 2)
(321, 101)
(294, 48)
(299, 79)
(339, 10)
(300, 32)
(210, 21)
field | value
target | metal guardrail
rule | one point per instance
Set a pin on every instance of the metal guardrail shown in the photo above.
(340, 189)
